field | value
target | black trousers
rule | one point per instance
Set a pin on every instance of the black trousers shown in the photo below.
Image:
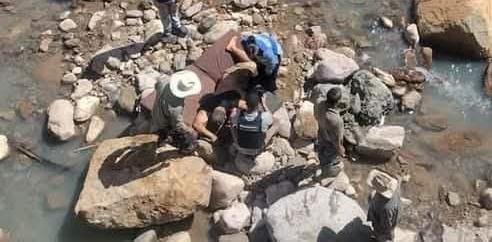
(267, 82)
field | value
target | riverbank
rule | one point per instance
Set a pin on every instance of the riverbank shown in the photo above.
(418, 171)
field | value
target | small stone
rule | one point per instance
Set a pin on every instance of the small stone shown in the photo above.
(262, 164)
(69, 78)
(386, 22)
(453, 199)
(486, 198)
(4, 147)
(124, 5)
(72, 43)
(64, 15)
(178, 237)
(233, 219)
(85, 108)
(25, 109)
(180, 61)
(127, 99)
(427, 57)
(148, 236)
(45, 45)
(113, 63)
(483, 220)
(165, 67)
(411, 100)
(194, 9)
(77, 70)
(387, 78)
(134, 14)
(399, 91)
(81, 88)
(149, 15)
(67, 25)
(7, 115)
(60, 119)
(412, 35)
(133, 22)
(410, 59)
(258, 19)
(95, 129)
(96, 17)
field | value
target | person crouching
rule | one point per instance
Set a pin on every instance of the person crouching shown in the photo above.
(167, 112)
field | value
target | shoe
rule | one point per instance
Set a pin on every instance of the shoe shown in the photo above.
(180, 32)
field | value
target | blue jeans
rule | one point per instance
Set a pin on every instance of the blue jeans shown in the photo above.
(168, 12)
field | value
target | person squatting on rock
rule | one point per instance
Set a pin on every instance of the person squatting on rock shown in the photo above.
(213, 114)
(167, 112)
(249, 126)
(266, 52)
(168, 12)
(330, 134)
(384, 205)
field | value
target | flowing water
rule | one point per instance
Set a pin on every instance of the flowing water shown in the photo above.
(31, 82)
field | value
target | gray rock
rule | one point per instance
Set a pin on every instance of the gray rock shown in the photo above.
(317, 214)
(178, 237)
(194, 9)
(60, 119)
(185, 4)
(233, 219)
(4, 147)
(376, 98)
(81, 88)
(72, 43)
(262, 164)
(165, 67)
(411, 100)
(149, 236)
(386, 22)
(245, 3)
(152, 28)
(347, 51)
(225, 189)
(96, 17)
(453, 199)
(399, 91)
(85, 108)
(67, 25)
(114, 63)
(69, 78)
(258, 19)
(194, 54)
(486, 198)
(241, 237)
(332, 67)
(387, 78)
(219, 29)
(134, 13)
(382, 143)
(276, 191)
(149, 15)
(127, 99)
(133, 22)
(412, 35)
(281, 147)
(45, 44)
(207, 23)
(464, 233)
(147, 79)
(95, 129)
(282, 121)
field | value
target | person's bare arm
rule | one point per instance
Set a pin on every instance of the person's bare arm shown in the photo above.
(237, 50)
(200, 125)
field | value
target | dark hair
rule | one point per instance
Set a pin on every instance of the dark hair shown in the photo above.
(218, 117)
(333, 96)
(252, 99)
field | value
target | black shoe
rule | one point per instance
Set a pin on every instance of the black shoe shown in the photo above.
(180, 32)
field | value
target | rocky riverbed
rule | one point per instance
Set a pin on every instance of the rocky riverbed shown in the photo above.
(108, 61)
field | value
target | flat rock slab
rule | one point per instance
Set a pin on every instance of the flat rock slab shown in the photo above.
(127, 187)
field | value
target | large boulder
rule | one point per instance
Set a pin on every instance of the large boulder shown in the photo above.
(259, 165)
(129, 186)
(60, 119)
(233, 219)
(317, 214)
(376, 98)
(462, 26)
(225, 189)
(332, 67)
(382, 143)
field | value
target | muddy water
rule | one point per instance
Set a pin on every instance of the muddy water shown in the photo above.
(25, 186)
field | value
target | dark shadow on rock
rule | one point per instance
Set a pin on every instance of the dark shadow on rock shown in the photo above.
(132, 163)
(123, 53)
(353, 231)
(293, 173)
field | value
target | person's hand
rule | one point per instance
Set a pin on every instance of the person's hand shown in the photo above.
(214, 139)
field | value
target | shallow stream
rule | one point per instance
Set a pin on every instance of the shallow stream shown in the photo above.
(26, 187)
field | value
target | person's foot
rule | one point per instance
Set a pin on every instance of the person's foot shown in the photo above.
(180, 32)
(332, 170)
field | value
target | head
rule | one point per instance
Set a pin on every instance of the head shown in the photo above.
(382, 183)
(253, 100)
(218, 117)
(250, 47)
(333, 96)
